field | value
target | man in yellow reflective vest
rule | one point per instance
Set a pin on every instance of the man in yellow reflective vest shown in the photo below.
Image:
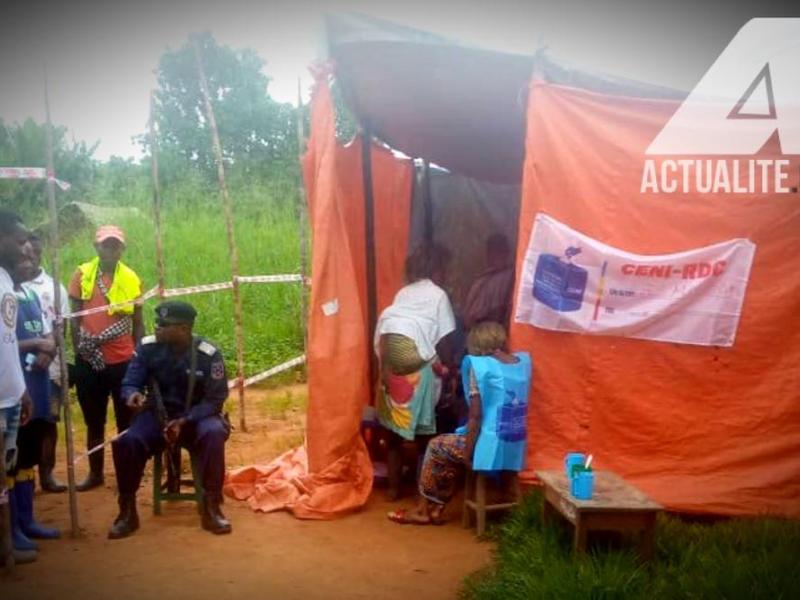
(104, 341)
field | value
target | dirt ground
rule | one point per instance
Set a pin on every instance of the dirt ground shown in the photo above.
(267, 556)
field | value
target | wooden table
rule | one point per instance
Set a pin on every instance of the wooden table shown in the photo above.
(615, 506)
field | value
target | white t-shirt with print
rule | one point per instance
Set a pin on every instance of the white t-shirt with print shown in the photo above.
(12, 382)
(44, 289)
(420, 311)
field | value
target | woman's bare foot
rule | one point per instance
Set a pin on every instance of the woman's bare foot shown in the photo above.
(406, 516)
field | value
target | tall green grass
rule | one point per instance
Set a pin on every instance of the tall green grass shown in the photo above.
(755, 558)
(196, 252)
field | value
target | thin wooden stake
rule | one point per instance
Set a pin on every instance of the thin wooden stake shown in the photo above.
(302, 218)
(369, 238)
(234, 255)
(156, 198)
(59, 330)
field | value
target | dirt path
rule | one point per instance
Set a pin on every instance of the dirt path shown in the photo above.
(267, 556)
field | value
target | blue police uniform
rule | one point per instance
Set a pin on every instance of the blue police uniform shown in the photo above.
(205, 431)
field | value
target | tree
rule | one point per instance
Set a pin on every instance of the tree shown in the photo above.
(253, 128)
(24, 146)
(121, 181)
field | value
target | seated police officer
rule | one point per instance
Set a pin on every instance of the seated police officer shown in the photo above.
(176, 384)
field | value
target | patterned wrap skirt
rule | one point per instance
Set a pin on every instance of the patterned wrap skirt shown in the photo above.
(443, 463)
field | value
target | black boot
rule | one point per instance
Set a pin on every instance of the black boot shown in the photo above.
(48, 461)
(92, 481)
(128, 520)
(49, 483)
(95, 477)
(213, 519)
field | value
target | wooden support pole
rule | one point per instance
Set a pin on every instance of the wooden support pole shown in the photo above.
(369, 226)
(59, 329)
(302, 218)
(156, 198)
(232, 251)
(428, 201)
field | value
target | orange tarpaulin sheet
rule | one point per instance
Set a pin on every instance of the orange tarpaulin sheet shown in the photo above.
(700, 429)
(332, 475)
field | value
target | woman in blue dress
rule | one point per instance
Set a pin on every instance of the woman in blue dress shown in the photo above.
(494, 438)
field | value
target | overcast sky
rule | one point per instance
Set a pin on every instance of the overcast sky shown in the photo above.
(101, 56)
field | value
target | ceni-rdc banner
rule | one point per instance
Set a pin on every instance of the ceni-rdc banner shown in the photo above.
(571, 282)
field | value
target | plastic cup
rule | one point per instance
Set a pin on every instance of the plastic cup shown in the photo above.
(573, 459)
(583, 485)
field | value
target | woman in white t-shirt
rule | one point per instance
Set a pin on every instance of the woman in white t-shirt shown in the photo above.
(410, 335)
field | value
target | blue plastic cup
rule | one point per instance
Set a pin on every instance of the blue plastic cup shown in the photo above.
(583, 485)
(573, 459)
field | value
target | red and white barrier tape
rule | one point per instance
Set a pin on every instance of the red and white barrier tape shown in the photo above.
(269, 278)
(99, 447)
(185, 291)
(231, 384)
(197, 289)
(269, 372)
(31, 173)
(152, 292)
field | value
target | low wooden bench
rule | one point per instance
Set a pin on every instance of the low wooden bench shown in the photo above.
(616, 505)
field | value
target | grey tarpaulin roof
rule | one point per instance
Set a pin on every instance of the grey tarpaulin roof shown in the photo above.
(458, 106)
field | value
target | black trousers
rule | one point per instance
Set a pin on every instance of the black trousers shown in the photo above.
(29, 445)
(94, 388)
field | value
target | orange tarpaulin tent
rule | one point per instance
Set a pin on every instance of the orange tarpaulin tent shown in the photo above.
(699, 428)
(332, 474)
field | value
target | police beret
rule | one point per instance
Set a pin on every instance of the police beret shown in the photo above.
(175, 312)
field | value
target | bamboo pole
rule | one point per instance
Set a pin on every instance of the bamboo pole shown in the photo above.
(156, 198)
(59, 329)
(302, 218)
(369, 236)
(232, 251)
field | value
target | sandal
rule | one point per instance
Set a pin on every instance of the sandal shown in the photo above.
(404, 517)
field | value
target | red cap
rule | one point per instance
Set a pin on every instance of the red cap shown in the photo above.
(106, 232)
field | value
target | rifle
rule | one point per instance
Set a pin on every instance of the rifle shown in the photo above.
(158, 399)
(158, 403)
(173, 451)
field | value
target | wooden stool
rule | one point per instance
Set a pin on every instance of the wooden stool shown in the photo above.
(475, 499)
(161, 488)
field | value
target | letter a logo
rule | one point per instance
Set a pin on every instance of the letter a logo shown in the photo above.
(751, 91)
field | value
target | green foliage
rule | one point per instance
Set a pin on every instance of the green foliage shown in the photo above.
(25, 146)
(120, 182)
(254, 128)
(278, 406)
(734, 559)
(259, 140)
(195, 248)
